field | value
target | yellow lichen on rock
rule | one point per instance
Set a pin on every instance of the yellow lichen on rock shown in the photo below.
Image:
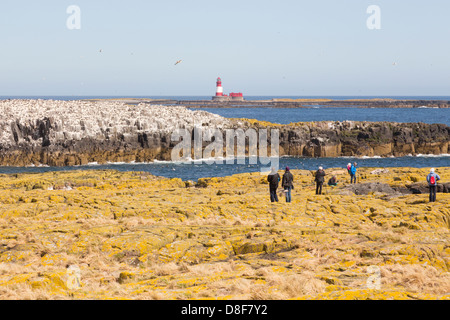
(135, 235)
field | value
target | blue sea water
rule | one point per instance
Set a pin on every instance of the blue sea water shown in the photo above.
(292, 115)
(200, 169)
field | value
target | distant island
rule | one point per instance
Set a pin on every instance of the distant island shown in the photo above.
(68, 133)
(290, 103)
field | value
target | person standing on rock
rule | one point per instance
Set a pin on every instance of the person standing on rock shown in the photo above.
(288, 183)
(353, 173)
(273, 179)
(432, 180)
(320, 178)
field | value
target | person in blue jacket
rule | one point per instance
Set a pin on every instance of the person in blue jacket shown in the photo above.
(353, 173)
(432, 180)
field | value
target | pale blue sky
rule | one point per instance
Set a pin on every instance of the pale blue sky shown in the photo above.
(258, 47)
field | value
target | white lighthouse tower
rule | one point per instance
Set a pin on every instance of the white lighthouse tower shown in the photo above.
(219, 92)
(219, 89)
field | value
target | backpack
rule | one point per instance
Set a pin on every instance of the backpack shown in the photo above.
(432, 180)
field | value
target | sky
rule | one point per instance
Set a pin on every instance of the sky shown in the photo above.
(272, 48)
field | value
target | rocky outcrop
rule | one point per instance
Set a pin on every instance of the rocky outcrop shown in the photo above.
(423, 188)
(378, 187)
(65, 133)
(352, 138)
(61, 133)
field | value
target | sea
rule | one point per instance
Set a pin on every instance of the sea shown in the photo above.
(204, 168)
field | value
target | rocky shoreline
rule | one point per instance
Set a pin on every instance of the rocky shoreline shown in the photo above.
(66, 133)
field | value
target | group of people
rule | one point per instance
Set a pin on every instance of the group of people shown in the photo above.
(351, 169)
(320, 177)
(287, 181)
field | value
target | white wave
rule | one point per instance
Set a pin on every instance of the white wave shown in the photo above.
(363, 157)
(210, 160)
(117, 163)
(433, 155)
(367, 157)
(441, 155)
(40, 165)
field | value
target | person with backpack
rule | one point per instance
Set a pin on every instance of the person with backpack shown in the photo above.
(349, 166)
(288, 183)
(432, 180)
(319, 179)
(353, 173)
(273, 179)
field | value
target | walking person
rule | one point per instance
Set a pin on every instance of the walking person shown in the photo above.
(320, 178)
(432, 180)
(273, 179)
(353, 173)
(288, 183)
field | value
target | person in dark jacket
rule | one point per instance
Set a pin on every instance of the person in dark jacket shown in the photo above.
(288, 183)
(432, 180)
(273, 179)
(320, 178)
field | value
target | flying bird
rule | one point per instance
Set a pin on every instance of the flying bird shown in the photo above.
(178, 62)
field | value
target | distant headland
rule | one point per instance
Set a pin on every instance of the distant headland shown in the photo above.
(289, 103)
(238, 100)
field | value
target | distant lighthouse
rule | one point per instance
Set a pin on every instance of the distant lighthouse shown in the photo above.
(220, 97)
(219, 89)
